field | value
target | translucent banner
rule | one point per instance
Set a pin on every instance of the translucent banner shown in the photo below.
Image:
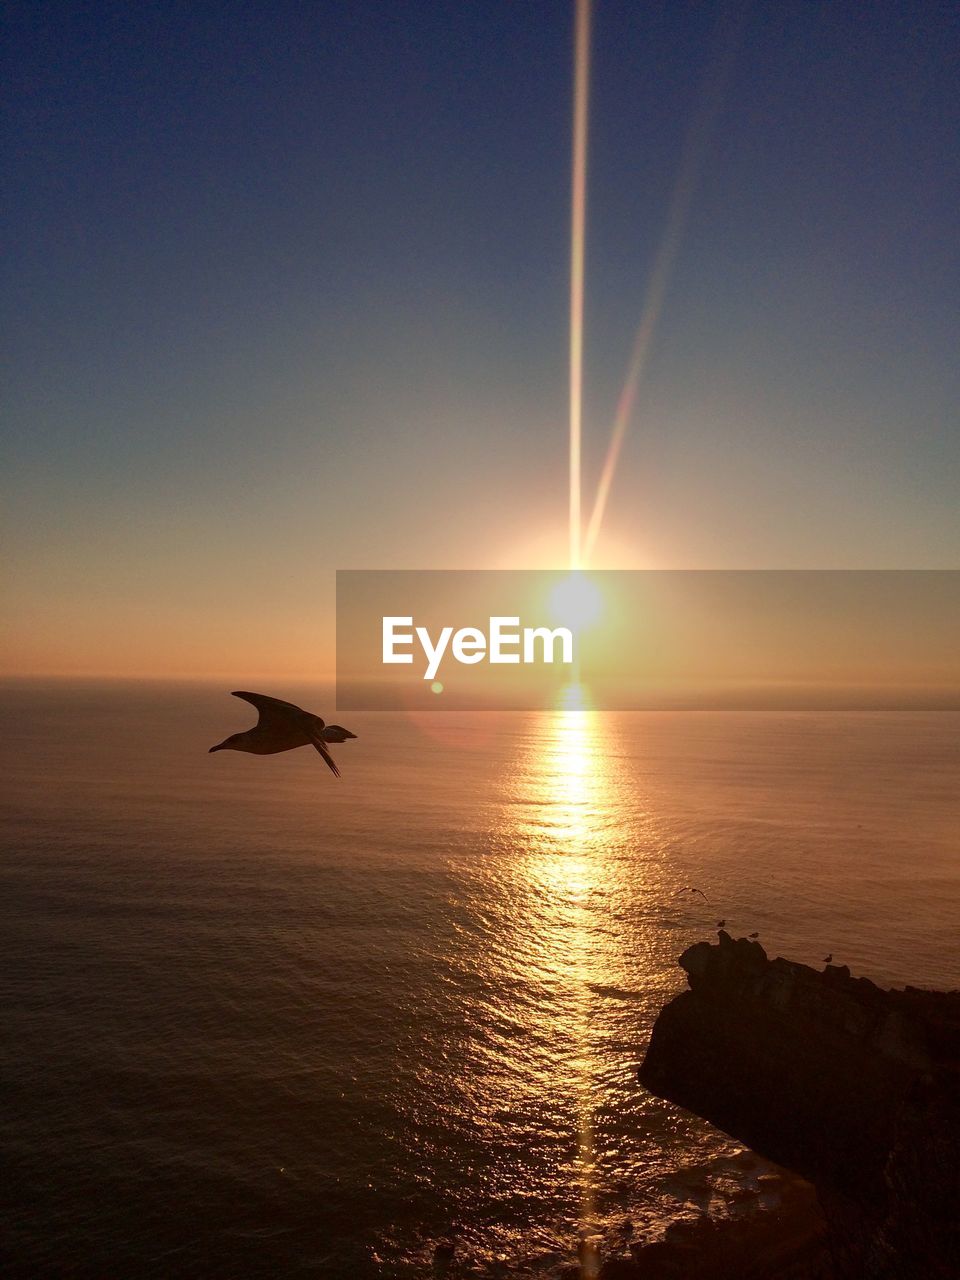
(669, 639)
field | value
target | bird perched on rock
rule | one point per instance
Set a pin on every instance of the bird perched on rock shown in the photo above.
(443, 1256)
(828, 959)
(283, 726)
(721, 924)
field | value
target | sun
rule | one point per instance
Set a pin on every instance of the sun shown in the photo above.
(576, 602)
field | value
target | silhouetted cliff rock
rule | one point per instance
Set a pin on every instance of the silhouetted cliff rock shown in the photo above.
(850, 1086)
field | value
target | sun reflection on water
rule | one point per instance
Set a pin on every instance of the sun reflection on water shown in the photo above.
(565, 826)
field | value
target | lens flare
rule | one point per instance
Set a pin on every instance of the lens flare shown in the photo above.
(578, 218)
(691, 161)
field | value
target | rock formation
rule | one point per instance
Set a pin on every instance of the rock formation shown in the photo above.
(850, 1086)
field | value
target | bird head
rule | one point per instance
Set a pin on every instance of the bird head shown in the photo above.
(228, 744)
(337, 733)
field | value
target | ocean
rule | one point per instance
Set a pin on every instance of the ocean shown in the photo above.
(261, 1022)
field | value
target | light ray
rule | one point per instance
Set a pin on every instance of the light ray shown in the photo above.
(691, 160)
(578, 217)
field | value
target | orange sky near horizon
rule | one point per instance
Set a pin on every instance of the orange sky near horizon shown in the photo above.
(236, 369)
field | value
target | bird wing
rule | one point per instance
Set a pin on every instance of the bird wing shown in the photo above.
(689, 888)
(321, 746)
(272, 710)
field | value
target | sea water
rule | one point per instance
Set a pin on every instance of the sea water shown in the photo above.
(262, 1022)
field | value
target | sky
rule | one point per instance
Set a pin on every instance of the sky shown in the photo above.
(286, 290)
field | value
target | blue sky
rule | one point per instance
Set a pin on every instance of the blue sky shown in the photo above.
(286, 291)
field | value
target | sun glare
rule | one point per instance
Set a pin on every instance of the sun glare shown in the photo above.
(576, 602)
